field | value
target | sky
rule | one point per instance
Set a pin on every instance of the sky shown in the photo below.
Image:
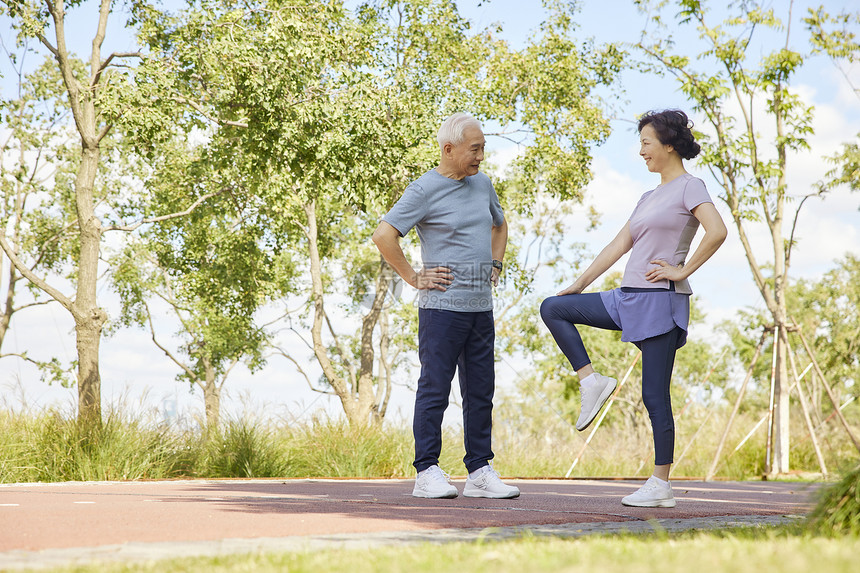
(137, 374)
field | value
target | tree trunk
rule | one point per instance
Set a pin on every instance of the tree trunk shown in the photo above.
(781, 426)
(383, 379)
(88, 332)
(368, 394)
(781, 445)
(361, 399)
(89, 318)
(340, 386)
(211, 399)
(8, 309)
(781, 437)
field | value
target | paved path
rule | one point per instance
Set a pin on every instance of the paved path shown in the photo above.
(53, 524)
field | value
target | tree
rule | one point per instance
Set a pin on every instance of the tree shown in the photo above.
(209, 269)
(214, 268)
(31, 157)
(833, 35)
(540, 96)
(827, 310)
(214, 304)
(102, 98)
(325, 116)
(737, 98)
(291, 117)
(823, 311)
(339, 114)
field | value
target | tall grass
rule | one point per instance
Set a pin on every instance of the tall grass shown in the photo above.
(49, 446)
(52, 446)
(838, 508)
(320, 448)
(625, 449)
(336, 449)
(549, 446)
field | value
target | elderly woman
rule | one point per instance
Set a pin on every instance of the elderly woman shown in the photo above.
(652, 306)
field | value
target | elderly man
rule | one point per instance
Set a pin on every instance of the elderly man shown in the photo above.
(463, 233)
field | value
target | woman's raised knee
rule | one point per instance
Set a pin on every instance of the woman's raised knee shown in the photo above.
(547, 308)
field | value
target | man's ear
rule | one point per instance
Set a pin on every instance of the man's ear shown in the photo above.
(446, 149)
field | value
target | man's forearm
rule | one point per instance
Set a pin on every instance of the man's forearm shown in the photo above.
(386, 239)
(499, 241)
(393, 255)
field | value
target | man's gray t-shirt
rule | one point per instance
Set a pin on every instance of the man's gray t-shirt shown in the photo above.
(453, 219)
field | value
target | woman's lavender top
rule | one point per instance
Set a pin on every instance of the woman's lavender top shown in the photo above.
(662, 226)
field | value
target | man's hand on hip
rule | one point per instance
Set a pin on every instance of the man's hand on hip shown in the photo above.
(437, 278)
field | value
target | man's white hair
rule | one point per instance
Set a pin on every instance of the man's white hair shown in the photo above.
(453, 128)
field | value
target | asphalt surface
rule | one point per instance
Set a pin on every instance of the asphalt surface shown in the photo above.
(45, 525)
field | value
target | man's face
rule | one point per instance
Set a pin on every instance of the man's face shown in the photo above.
(466, 157)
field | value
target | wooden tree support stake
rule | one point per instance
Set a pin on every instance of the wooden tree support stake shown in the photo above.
(805, 407)
(713, 469)
(708, 417)
(769, 443)
(830, 395)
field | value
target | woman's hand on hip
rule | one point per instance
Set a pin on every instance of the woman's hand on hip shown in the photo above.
(665, 271)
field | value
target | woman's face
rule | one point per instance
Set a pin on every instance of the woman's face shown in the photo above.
(655, 154)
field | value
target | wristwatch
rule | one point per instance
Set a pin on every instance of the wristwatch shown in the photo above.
(497, 264)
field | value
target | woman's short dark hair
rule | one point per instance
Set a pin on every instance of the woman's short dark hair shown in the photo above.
(673, 128)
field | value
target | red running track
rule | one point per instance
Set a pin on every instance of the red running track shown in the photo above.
(36, 517)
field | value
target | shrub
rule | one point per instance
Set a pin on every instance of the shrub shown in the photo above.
(240, 448)
(838, 508)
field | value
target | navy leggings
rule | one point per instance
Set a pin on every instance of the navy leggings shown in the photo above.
(561, 313)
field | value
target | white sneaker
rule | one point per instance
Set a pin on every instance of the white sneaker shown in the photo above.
(433, 483)
(652, 494)
(595, 393)
(487, 483)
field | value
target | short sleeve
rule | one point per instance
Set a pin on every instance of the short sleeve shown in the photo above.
(638, 203)
(496, 208)
(695, 193)
(409, 210)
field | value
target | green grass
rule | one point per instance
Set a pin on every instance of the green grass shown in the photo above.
(547, 446)
(51, 446)
(838, 508)
(738, 551)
